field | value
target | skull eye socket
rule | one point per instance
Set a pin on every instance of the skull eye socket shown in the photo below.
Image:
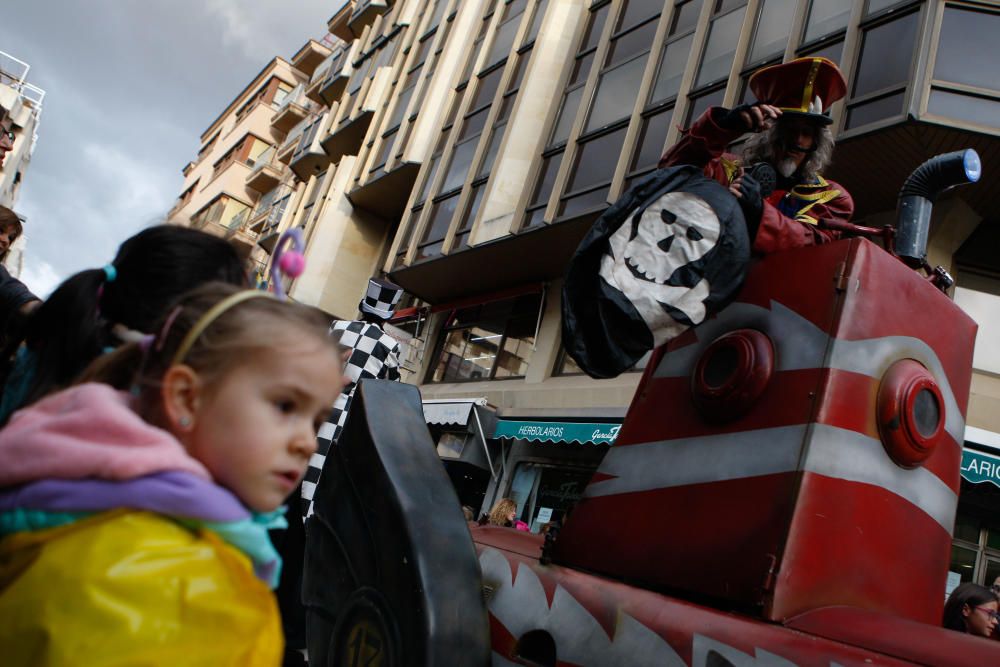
(694, 235)
(667, 217)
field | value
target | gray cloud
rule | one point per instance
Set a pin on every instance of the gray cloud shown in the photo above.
(130, 85)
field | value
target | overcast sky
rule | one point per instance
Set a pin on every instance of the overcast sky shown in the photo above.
(130, 86)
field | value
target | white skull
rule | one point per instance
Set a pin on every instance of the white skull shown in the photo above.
(677, 229)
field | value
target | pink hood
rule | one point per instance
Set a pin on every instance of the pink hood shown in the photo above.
(89, 430)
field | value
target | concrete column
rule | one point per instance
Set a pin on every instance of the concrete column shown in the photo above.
(549, 339)
(342, 252)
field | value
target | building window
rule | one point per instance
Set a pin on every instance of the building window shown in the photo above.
(655, 122)
(975, 550)
(545, 493)
(825, 18)
(565, 365)
(832, 51)
(221, 211)
(488, 341)
(966, 86)
(603, 135)
(568, 109)
(774, 23)
(883, 70)
(720, 47)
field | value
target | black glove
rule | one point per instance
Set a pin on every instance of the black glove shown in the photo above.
(752, 203)
(731, 119)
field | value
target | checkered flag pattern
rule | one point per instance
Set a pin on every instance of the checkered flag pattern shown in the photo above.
(381, 298)
(374, 354)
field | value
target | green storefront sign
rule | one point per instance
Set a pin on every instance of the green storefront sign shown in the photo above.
(979, 467)
(557, 431)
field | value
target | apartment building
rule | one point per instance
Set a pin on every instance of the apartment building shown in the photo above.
(464, 147)
(22, 103)
(235, 173)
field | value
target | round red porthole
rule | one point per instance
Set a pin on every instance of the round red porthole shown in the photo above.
(910, 413)
(731, 374)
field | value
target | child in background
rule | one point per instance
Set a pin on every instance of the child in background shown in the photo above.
(99, 309)
(134, 523)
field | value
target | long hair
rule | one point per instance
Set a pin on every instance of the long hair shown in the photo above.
(153, 268)
(501, 511)
(236, 336)
(970, 594)
(762, 147)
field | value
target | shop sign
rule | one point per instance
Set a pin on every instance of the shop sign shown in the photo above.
(979, 467)
(557, 431)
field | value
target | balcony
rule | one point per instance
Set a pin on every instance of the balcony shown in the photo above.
(269, 210)
(291, 110)
(336, 76)
(337, 24)
(310, 56)
(268, 237)
(386, 194)
(364, 14)
(347, 137)
(266, 171)
(239, 235)
(287, 147)
(309, 158)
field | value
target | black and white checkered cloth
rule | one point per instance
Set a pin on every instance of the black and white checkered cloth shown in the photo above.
(381, 298)
(374, 354)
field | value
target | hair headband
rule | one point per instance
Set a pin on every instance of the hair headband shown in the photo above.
(213, 314)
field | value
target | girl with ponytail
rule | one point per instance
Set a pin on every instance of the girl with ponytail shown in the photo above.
(97, 310)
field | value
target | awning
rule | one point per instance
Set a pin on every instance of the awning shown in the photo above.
(980, 467)
(450, 411)
(596, 433)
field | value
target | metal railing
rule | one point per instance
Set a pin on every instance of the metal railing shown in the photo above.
(331, 64)
(238, 223)
(295, 133)
(266, 159)
(13, 71)
(296, 96)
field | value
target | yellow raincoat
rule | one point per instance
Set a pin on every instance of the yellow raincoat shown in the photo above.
(132, 588)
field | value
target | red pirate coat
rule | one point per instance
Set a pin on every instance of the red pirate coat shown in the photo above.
(790, 218)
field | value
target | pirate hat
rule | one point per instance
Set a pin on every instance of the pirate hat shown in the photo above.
(381, 298)
(805, 87)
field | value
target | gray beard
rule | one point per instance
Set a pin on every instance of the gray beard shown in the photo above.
(786, 167)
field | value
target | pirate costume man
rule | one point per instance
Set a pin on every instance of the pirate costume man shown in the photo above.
(374, 354)
(803, 205)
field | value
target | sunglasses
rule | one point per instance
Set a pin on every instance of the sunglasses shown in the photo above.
(9, 134)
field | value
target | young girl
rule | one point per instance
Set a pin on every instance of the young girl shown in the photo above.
(134, 523)
(972, 609)
(504, 513)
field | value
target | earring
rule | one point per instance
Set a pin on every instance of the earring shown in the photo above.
(184, 422)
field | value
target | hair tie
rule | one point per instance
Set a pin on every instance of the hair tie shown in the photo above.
(110, 272)
(213, 314)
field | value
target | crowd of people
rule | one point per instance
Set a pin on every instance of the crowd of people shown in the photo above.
(159, 415)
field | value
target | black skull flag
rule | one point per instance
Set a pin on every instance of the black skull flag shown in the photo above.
(670, 252)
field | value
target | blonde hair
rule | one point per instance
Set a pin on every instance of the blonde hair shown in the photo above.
(501, 511)
(244, 329)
